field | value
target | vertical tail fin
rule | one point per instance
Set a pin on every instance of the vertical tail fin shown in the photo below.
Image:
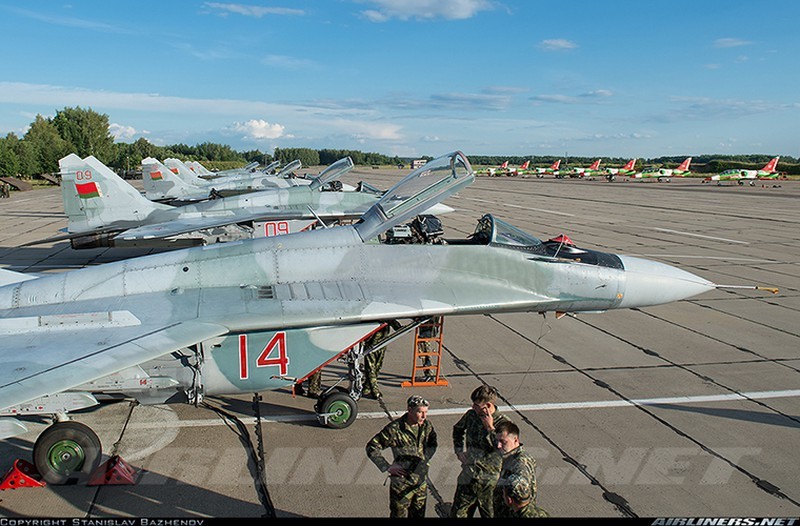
(524, 166)
(684, 166)
(95, 197)
(595, 165)
(162, 183)
(180, 169)
(556, 165)
(772, 165)
(198, 168)
(630, 165)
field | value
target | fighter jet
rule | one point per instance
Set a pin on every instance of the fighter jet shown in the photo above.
(174, 181)
(264, 313)
(665, 174)
(106, 211)
(629, 169)
(549, 170)
(205, 173)
(581, 172)
(769, 171)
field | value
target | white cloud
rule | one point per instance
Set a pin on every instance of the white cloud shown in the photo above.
(259, 129)
(731, 42)
(67, 21)
(286, 62)
(452, 101)
(597, 93)
(557, 44)
(58, 96)
(362, 130)
(121, 133)
(424, 9)
(591, 97)
(253, 10)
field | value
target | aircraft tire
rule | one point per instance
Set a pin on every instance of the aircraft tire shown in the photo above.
(343, 407)
(67, 451)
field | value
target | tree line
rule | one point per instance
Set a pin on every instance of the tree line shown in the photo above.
(84, 132)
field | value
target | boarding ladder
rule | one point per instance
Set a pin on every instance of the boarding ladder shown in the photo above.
(426, 367)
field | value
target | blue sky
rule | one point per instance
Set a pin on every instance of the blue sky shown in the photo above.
(416, 77)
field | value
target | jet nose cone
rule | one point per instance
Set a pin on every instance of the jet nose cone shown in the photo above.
(651, 283)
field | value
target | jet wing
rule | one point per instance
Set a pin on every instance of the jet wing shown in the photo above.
(193, 224)
(95, 345)
(8, 276)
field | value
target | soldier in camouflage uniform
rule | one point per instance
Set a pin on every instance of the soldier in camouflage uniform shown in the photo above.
(373, 363)
(475, 447)
(518, 469)
(518, 495)
(413, 442)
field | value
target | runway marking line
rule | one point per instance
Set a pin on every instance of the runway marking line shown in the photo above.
(599, 404)
(700, 235)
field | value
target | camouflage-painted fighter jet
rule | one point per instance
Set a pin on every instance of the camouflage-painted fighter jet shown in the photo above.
(264, 313)
(104, 210)
(174, 181)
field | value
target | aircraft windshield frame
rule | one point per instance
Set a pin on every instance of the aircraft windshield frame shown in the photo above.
(290, 168)
(428, 184)
(334, 171)
(271, 167)
(369, 189)
(501, 233)
(427, 181)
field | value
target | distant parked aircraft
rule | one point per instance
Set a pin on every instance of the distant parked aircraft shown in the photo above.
(664, 174)
(767, 172)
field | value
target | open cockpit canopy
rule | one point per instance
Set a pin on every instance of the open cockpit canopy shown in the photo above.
(426, 186)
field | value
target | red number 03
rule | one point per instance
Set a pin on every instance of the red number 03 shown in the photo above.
(277, 342)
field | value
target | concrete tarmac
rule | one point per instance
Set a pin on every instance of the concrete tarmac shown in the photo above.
(688, 409)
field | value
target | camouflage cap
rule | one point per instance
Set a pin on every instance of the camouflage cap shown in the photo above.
(519, 488)
(417, 401)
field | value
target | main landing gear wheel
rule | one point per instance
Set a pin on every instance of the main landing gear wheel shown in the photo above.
(337, 410)
(66, 451)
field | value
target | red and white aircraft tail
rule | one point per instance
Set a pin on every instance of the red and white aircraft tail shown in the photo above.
(771, 166)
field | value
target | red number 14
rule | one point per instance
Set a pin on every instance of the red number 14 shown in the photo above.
(278, 341)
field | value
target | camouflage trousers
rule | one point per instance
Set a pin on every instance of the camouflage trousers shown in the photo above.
(372, 368)
(530, 511)
(473, 494)
(408, 497)
(315, 383)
